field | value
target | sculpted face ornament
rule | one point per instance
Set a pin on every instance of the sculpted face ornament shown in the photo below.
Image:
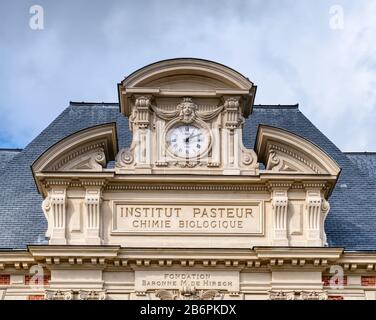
(187, 110)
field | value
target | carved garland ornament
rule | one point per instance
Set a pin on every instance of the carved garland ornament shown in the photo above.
(187, 112)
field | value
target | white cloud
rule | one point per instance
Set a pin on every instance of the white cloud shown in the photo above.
(288, 50)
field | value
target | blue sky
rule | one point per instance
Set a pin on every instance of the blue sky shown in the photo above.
(289, 49)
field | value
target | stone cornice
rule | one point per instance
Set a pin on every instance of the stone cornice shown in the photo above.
(116, 257)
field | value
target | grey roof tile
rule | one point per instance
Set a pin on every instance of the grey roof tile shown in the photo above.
(7, 155)
(366, 162)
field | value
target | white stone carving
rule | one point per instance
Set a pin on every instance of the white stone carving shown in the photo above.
(92, 295)
(298, 295)
(55, 207)
(314, 295)
(140, 116)
(59, 295)
(281, 295)
(187, 112)
(188, 293)
(279, 207)
(93, 215)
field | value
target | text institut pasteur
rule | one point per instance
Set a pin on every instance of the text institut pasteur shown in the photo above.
(187, 218)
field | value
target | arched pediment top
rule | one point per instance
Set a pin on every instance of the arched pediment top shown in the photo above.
(183, 69)
(285, 152)
(185, 77)
(87, 150)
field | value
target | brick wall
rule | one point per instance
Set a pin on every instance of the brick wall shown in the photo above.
(46, 279)
(35, 297)
(368, 281)
(326, 281)
(335, 298)
(4, 279)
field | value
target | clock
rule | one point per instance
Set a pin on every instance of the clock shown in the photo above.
(187, 141)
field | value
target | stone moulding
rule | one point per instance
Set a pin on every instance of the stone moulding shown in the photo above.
(214, 79)
(286, 153)
(88, 150)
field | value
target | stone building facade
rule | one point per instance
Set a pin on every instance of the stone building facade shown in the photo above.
(186, 189)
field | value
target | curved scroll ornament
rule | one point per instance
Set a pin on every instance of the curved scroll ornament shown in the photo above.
(124, 158)
(46, 206)
(274, 160)
(249, 157)
(98, 159)
(325, 207)
(187, 112)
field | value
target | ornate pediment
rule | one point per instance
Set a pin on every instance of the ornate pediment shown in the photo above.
(284, 152)
(86, 150)
(186, 115)
(185, 77)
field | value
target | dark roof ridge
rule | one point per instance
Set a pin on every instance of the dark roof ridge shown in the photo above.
(276, 106)
(92, 103)
(11, 149)
(360, 152)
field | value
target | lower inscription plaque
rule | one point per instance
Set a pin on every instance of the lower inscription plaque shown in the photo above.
(183, 218)
(219, 280)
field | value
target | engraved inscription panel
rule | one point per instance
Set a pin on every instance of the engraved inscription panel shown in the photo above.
(219, 280)
(245, 218)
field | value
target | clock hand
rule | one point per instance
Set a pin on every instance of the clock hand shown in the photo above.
(196, 135)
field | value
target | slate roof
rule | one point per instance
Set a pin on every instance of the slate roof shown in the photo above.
(6, 155)
(366, 161)
(350, 224)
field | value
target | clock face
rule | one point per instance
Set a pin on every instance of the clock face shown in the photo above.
(187, 141)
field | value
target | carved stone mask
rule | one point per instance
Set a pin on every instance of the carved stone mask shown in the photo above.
(187, 110)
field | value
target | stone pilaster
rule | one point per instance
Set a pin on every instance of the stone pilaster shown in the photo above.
(93, 214)
(315, 211)
(57, 199)
(231, 135)
(280, 213)
(140, 120)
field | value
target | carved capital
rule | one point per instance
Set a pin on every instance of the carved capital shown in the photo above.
(59, 295)
(281, 295)
(314, 295)
(140, 116)
(188, 293)
(233, 117)
(92, 295)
